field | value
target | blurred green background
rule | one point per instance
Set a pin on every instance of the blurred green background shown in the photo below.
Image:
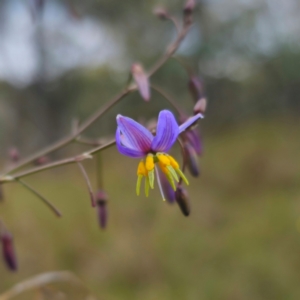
(61, 60)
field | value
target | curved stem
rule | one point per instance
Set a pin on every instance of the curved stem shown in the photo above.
(63, 142)
(170, 51)
(88, 183)
(168, 98)
(45, 201)
(56, 164)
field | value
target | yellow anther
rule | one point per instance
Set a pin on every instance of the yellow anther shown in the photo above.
(141, 170)
(164, 159)
(163, 168)
(149, 162)
(173, 162)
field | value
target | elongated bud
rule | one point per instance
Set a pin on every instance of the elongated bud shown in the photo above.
(196, 87)
(200, 106)
(161, 13)
(101, 201)
(182, 200)
(194, 138)
(192, 159)
(189, 7)
(8, 251)
(14, 154)
(141, 80)
(167, 188)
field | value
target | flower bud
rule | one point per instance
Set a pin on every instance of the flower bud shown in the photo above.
(8, 251)
(141, 80)
(182, 200)
(14, 154)
(161, 13)
(189, 7)
(196, 87)
(101, 200)
(194, 138)
(200, 106)
(167, 188)
(192, 159)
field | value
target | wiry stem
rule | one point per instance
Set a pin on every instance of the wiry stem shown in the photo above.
(167, 97)
(59, 163)
(170, 51)
(88, 183)
(45, 201)
(92, 119)
(63, 142)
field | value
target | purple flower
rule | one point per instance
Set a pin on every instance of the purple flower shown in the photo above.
(136, 141)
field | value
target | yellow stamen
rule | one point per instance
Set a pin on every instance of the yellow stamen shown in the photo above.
(171, 181)
(181, 174)
(141, 170)
(163, 168)
(151, 178)
(173, 162)
(173, 173)
(138, 184)
(147, 186)
(149, 162)
(164, 159)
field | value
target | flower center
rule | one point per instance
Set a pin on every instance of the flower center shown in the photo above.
(168, 165)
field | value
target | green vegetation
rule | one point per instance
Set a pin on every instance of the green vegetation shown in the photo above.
(242, 240)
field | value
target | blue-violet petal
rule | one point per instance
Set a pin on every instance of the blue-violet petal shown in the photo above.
(166, 132)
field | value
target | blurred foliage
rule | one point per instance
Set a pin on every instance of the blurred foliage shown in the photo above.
(242, 240)
(248, 59)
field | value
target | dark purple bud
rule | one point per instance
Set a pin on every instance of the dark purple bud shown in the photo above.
(141, 80)
(194, 138)
(182, 200)
(189, 7)
(41, 160)
(161, 13)
(14, 154)
(191, 159)
(101, 200)
(8, 251)
(200, 106)
(167, 188)
(196, 88)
